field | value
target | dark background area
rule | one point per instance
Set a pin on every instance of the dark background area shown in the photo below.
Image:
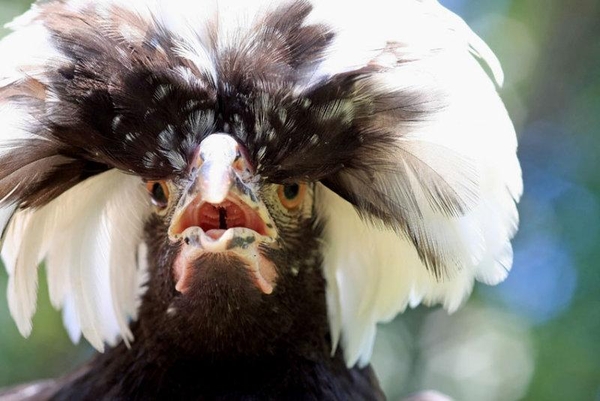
(537, 335)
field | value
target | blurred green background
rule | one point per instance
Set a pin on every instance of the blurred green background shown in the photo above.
(537, 335)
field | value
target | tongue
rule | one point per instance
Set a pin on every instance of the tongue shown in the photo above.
(215, 234)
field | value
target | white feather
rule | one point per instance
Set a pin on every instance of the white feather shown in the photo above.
(70, 320)
(88, 273)
(14, 122)
(90, 235)
(59, 285)
(27, 51)
(126, 230)
(6, 213)
(22, 282)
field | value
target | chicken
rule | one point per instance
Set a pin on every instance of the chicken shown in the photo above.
(228, 196)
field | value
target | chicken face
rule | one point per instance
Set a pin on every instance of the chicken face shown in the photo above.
(234, 248)
(221, 210)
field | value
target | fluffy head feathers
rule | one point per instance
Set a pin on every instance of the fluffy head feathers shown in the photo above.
(385, 106)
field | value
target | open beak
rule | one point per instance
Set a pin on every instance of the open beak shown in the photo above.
(220, 212)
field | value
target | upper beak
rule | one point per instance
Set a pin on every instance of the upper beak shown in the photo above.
(220, 162)
(220, 199)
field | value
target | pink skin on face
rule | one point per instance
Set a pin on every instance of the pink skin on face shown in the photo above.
(261, 269)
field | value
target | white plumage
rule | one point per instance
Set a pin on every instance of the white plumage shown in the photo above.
(88, 237)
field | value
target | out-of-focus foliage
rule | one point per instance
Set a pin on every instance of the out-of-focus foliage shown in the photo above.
(48, 352)
(537, 335)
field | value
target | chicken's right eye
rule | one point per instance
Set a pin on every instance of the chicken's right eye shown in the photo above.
(159, 193)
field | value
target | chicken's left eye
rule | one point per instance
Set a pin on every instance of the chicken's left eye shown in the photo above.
(291, 195)
(159, 192)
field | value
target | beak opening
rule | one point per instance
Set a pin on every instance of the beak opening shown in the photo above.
(214, 219)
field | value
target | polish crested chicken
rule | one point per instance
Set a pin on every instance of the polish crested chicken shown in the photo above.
(228, 196)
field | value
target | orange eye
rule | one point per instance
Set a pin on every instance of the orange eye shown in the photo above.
(159, 193)
(291, 195)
